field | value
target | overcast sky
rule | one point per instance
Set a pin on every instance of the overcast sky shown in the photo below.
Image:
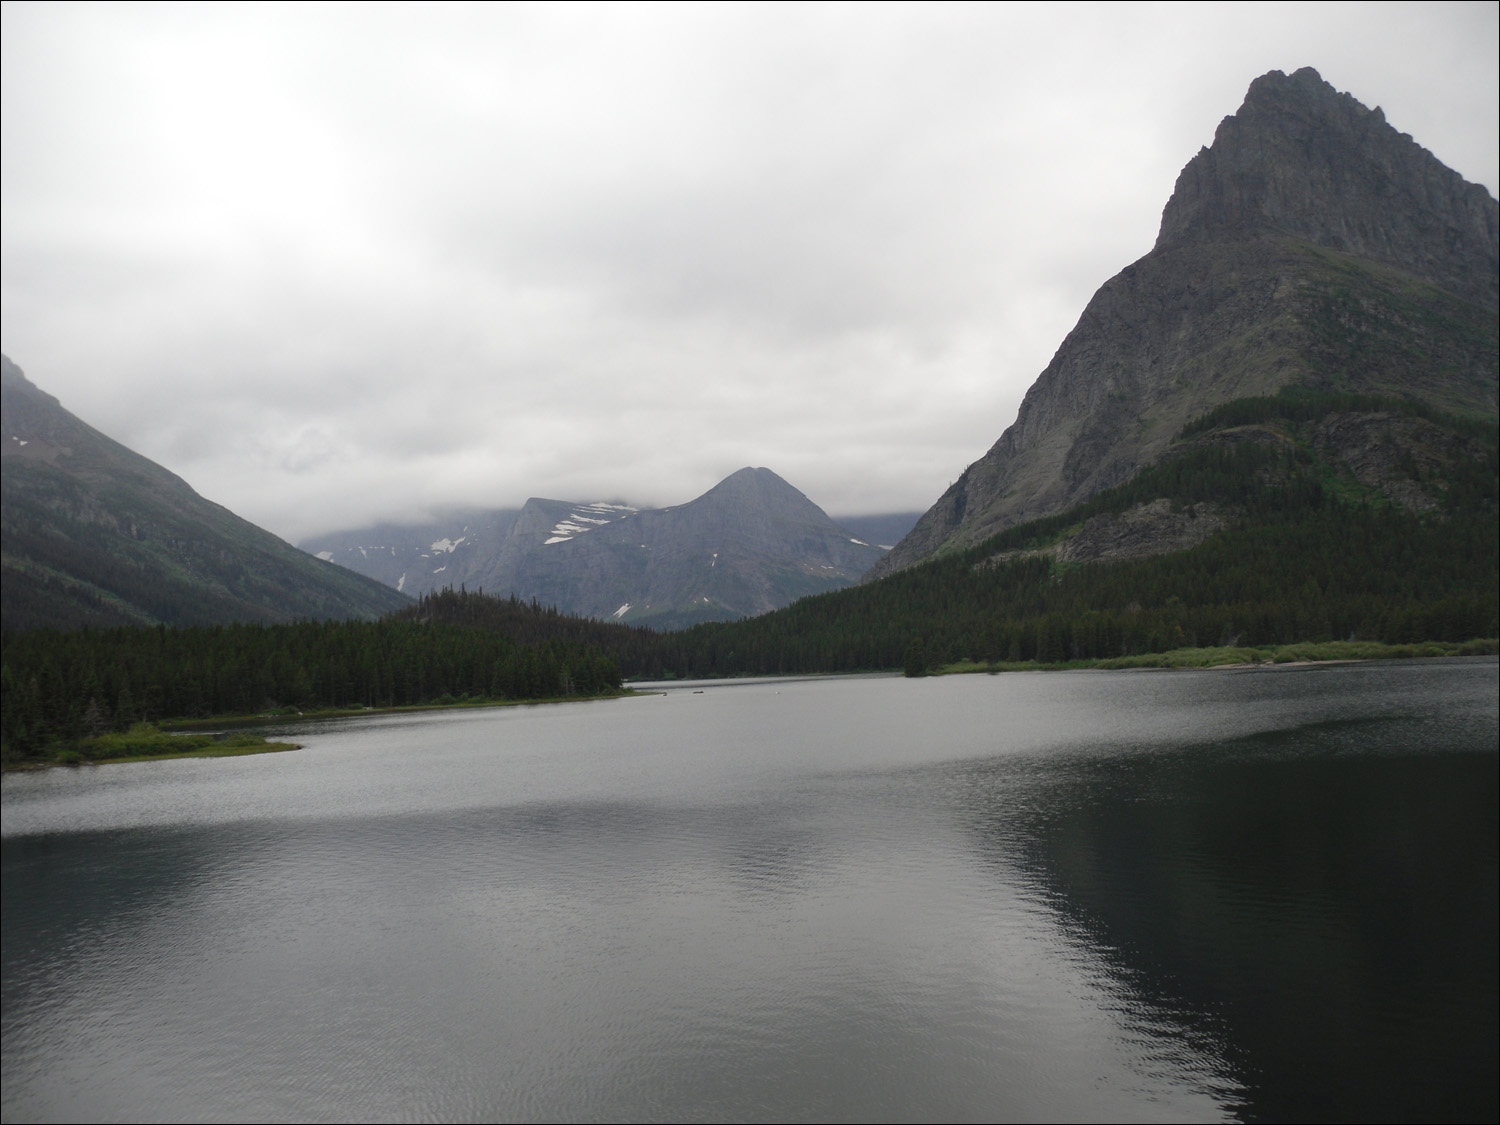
(335, 264)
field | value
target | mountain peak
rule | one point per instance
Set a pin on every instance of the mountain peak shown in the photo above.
(759, 484)
(1303, 159)
(1312, 245)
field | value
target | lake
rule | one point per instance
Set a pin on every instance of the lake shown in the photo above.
(1257, 894)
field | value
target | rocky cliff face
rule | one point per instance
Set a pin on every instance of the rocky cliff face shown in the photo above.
(1305, 160)
(1311, 245)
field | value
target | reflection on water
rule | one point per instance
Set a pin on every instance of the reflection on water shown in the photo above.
(1157, 897)
(1327, 919)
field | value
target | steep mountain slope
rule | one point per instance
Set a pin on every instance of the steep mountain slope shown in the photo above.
(750, 544)
(1313, 246)
(419, 558)
(94, 534)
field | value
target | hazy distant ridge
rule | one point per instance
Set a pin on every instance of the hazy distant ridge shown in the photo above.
(750, 544)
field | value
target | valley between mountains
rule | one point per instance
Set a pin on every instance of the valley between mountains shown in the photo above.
(1277, 427)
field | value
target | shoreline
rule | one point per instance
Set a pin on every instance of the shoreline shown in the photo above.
(76, 755)
(237, 741)
(1265, 657)
(1223, 659)
(263, 718)
(1226, 658)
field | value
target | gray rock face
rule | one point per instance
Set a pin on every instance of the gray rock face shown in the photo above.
(1311, 245)
(1401, 456)
(751, 544)
(418, 558)
(1150, 529)
(1301, 158)
(1155, 528)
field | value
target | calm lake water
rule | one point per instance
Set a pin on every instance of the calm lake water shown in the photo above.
(1231, 895)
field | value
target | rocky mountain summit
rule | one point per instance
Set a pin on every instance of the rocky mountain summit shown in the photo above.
(1312, 245)
(1302, 159)
(750, 544)
(95, 534)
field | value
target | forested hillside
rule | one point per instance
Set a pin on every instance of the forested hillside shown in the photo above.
(59, 686)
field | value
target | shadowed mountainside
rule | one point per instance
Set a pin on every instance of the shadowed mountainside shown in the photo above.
(95, 534)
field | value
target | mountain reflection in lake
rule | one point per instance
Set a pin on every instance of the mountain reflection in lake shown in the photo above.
(1169, 896)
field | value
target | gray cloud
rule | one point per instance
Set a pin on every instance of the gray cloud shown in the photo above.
(334, 264)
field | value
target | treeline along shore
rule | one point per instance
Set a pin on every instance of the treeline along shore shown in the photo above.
(60, 688)
(1284, 545)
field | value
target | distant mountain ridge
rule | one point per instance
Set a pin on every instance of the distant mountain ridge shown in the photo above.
(95, 534)
(750, 544)
(417, 558)
(1312, 246)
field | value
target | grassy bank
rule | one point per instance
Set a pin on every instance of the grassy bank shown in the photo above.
(145, 742)
(286, 714)
(174, 738)
(1302, 653)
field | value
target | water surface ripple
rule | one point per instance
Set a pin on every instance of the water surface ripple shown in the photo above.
(1154, 897)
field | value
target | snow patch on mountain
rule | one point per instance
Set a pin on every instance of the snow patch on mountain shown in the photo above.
(586, 517)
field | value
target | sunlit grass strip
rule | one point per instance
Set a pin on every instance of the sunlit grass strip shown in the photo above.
(1302, 652)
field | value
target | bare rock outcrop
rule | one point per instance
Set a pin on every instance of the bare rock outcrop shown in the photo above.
(1155, 528)
(1150, 529)
(1397, 454)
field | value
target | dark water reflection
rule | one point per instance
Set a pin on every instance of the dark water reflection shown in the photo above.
(1325, 918)
(1168, 897)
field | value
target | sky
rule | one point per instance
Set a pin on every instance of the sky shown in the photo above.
(337, 264)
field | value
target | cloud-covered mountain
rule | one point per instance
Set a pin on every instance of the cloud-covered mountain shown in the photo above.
(1311, 246)
(750, 544)
(95, 534)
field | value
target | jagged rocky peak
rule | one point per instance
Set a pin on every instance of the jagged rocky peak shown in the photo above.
(1312, 245)
(1302, 158)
